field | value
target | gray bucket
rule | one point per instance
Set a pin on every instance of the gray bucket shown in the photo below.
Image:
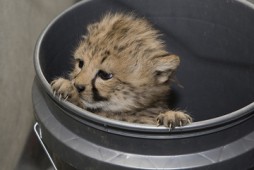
(215, 40)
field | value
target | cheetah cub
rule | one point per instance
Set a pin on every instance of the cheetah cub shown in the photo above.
(122, 71)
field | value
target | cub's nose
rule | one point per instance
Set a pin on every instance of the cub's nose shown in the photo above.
(80, 88)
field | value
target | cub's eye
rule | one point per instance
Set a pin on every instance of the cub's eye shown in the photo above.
(80, 63)
(104, 75)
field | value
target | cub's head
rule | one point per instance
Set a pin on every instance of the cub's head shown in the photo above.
(121, 65)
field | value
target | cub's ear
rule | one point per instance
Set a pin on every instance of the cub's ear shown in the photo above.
(165, 66)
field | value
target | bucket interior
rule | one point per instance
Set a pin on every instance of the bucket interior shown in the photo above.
(214, 39)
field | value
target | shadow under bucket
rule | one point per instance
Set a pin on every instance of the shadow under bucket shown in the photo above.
(215, 41)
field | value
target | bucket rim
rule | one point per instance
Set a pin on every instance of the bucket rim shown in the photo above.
(218, 123)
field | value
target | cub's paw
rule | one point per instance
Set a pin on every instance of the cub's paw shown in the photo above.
(62, 88)
(171, 119)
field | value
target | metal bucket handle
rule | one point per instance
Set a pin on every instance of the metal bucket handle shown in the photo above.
(37, 130)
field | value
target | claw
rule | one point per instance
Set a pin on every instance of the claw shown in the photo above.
(66, 98)
(170, 127)
(189, 121)
(158, 122)
(60, 97)
(54, 93)
(180, 123)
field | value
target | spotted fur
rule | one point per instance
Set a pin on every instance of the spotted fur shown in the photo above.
(122, 71)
